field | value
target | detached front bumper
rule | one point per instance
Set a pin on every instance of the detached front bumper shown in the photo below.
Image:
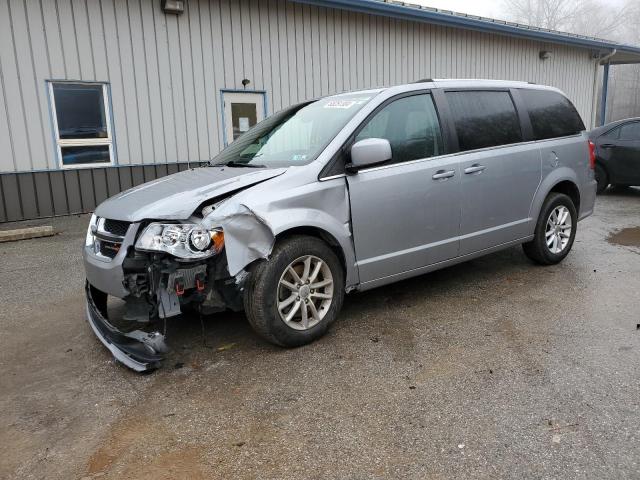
(138, 350)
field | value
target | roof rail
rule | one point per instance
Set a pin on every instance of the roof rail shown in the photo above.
(424, 80)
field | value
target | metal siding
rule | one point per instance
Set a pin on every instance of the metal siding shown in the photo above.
(141, 83)
(152, 82)
(73, 191)
(113, 181)
(87, 195)
(59, 193)
(43, 189)
(11, 195)
(165, 74)
(28, 195)
(188, 91)
(100, 188)
(13, 93)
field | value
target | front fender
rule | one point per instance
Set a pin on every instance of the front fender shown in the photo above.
(252, 220)
(293, 218)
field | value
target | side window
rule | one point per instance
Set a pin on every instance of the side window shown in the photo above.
(630, 131)
(82, 123)
(484, 119)
(411, 126)
(613, 134)
(552, 114)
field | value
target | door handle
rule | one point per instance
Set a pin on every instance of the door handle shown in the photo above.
(607, 145)
(443, 174)
(474, 169)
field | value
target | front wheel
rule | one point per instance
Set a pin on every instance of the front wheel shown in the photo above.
(555, 230)
(292, 298)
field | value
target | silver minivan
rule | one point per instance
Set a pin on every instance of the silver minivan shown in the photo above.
(348, 192)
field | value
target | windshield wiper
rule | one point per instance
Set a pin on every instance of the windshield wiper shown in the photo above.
(233, 163)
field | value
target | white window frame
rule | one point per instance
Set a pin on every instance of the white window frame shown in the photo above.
(82, 142)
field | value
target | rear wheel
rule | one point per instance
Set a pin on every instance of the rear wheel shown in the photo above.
(555, 230)
(292, 298)
(602, 178)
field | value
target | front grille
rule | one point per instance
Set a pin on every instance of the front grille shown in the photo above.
(116, 227)
(109, 249)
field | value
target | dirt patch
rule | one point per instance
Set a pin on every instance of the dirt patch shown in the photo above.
(130, 451)
(627, 237)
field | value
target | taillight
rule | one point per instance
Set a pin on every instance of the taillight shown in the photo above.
(592, 155)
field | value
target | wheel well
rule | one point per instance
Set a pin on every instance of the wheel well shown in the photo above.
(602, 166)
(318, 233)
(571, 190)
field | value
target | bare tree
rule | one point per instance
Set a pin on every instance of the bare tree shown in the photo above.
(584, 17)
(596, 18)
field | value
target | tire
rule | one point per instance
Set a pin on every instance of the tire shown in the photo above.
(602, 178)
(538, 249)
(265, 292)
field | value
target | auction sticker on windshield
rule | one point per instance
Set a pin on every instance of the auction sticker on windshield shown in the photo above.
(340, 104)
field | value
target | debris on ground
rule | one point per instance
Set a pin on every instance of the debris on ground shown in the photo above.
(226, 346)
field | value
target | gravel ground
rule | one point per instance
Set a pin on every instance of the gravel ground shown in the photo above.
(492, 368)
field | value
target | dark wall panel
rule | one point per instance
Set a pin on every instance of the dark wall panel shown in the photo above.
(59, 193)
(3, 209)
(125, 179)
(113, 181)
(74, 195)
(43, 191)
(11, 194)
(29, 195)
(100, 185)
(149, 173)
(137, 175)
(87, 196)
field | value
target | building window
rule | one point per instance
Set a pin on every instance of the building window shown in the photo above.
(82, 123)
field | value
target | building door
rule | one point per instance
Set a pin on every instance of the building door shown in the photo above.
(241, 111)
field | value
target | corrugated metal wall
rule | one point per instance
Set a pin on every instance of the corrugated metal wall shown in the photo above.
(165, 72)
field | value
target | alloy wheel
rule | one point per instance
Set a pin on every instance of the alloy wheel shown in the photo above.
(305, 292)
(558, 229)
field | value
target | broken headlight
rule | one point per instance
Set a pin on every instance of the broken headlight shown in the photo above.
(182, 240)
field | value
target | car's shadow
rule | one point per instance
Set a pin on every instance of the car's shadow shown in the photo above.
(191, 336)
(626, 192)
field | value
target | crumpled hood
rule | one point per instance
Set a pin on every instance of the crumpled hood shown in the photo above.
(176, 196)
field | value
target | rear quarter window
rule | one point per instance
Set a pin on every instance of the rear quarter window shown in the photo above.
(630, 131)
(484, 119)
(552, 114)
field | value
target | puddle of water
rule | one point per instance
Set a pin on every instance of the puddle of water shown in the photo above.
(627, 237)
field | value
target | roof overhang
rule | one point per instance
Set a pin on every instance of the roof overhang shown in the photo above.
(417, 13)
(622, 56)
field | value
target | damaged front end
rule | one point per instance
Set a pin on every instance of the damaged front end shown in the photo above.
(160, 270)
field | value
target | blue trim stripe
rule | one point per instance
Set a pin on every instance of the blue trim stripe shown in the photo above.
(417, 13)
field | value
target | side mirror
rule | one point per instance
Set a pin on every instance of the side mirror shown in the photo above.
(369, 152)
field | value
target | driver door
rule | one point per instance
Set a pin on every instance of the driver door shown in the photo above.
(406, 214)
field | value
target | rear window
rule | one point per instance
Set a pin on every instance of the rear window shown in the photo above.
(484, 119)
(630, 131)
(552, 114)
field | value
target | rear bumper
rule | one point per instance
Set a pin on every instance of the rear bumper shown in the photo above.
(138, 350)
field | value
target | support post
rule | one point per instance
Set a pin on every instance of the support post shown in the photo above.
(603, 99)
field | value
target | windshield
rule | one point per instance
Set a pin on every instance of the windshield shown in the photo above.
(295, 136)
